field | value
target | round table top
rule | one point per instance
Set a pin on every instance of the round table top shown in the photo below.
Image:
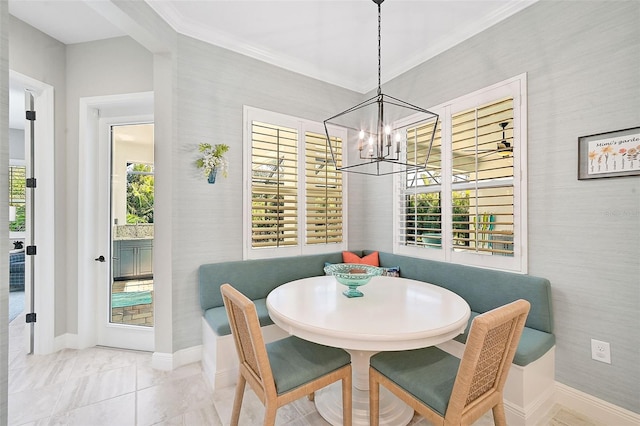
(393, 314)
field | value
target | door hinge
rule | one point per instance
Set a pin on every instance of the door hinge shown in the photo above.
(31, 115)
(31, 182)
(31, 317)
(31, 250)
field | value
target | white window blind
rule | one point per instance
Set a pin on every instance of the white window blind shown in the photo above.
(482, 190)
(420, 204)
(274, 185)
(323, 190)
(295, 198)
(469, 204)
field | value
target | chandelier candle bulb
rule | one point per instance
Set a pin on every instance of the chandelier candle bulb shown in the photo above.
(387, 133)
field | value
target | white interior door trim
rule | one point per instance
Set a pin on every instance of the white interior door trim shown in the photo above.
(110, 334)
(44, 338)
(96, 114)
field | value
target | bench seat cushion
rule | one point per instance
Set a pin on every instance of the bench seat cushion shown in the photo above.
(533, 343)
(219, 322)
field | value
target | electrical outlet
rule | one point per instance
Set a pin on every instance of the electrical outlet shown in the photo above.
(600, 351)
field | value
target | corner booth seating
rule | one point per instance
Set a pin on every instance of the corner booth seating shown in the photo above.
(529, 389)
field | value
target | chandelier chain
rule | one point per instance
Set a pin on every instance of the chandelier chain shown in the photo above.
(379, 55)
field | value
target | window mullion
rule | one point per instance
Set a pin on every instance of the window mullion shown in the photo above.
(302, 184)
(446, 179)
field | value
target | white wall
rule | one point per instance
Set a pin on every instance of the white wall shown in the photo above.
(4, 195)
(38, 56)
(88, 69)
(16, 144)
(213, 85)
(584, 236)
(107, 67)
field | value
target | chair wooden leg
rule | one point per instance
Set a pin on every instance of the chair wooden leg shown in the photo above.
(374, 400)
(270, 410)
(312, 396)
(347, 401)
(237, 401)
(499, 417)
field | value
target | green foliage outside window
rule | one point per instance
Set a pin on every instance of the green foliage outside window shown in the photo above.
(269, 212)
(424, 218)
(140, 193)
(460, 218)
(18, 225)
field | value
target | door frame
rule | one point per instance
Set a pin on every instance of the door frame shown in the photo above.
(44, 270)
(97, 114)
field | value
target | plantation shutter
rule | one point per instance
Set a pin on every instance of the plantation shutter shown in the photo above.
(274, 185)
(421, 210)
(323, 190)
(482, 188)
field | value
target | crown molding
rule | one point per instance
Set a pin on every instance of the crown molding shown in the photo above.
(197, 30)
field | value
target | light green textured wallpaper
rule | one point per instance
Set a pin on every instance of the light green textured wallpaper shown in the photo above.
(583, 76)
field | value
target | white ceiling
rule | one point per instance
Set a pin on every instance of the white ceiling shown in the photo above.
(334, 41)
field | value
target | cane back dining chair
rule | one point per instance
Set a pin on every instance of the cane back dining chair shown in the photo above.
(284, 370)
(451, 391)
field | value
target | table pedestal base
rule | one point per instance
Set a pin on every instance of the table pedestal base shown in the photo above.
(393, 412)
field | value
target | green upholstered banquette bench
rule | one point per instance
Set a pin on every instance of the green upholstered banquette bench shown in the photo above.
(531, 378)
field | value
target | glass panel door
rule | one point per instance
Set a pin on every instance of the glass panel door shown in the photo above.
(132, 229)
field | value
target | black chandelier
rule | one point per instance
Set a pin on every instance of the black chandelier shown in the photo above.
(377, 128)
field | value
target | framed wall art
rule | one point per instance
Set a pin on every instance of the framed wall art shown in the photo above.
(610, 154)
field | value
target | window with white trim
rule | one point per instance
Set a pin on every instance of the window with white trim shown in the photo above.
(294, 201)
(468, 205)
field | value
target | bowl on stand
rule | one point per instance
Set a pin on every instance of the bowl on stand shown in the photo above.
(353, 275)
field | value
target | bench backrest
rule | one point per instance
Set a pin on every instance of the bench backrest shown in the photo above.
(483, 289)
(256, 278)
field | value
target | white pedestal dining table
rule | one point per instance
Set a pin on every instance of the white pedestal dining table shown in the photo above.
(394, 314)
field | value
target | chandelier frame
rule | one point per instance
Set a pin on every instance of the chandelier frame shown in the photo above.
(379, 155)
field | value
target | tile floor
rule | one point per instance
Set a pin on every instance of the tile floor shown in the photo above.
(103, 386)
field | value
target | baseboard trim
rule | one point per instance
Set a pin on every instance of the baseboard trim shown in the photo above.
(167, 361)
(65, 341)
(162, 361)
(534, 413)
(594, 408)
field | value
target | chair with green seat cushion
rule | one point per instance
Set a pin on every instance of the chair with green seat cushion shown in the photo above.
(284, 370)
(451, 391)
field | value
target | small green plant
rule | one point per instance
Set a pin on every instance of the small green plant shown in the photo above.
(213, 158)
